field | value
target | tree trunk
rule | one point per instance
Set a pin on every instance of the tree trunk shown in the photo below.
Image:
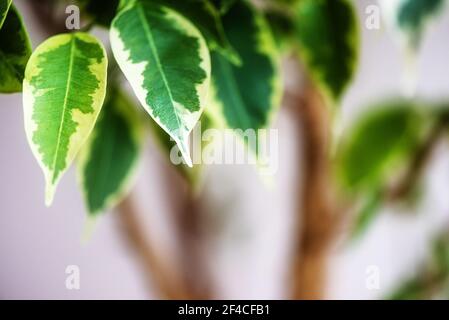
(316, 217)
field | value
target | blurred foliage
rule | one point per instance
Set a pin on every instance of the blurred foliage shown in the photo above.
(15, 50)
(223, 6)
(371, 203)
(378, 151)
(409, 18)
(378, 144)
(432, 280)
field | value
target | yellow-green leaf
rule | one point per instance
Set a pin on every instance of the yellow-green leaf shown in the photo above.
(63, 91)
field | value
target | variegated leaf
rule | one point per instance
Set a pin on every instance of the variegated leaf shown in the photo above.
(109, 158)
(166, 61)
(15, 50)
(4, 7)
(245, 97)
(328, 40)
(206, 17)
(63, 91)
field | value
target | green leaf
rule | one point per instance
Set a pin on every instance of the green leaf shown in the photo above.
(207, 19)
(409, 18)
(328, 43)
(63, 91)
(245, 97)
(432, 278)
(109, 158)
(283, 29)
(169, 149)
(167, 62)
(367, 213)
(4, 7)
(102, 12)
(378, 143)
(224, 5)
(15, 50)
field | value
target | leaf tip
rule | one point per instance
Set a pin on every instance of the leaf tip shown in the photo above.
(184, 147)
(88, 230)
(49, 193)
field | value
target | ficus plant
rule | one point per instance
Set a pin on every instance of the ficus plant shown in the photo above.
(219, 62)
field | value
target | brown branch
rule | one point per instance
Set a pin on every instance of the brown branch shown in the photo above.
(317, 219)
(45, 12)
(419, 162)
(158, 272)
(186, 207)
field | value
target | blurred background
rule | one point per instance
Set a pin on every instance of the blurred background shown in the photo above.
(247, 241)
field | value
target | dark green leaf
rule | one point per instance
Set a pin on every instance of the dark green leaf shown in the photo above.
(328, 35)
(109, 158)
(246, 96)
(4, 7)
(101, 12)
(224, 5)
(15, 50)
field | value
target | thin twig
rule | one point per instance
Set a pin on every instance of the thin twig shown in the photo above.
(419, 162)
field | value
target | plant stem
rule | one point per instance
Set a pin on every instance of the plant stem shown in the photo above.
(159, 275)
(316, 217)
(186, 206)
(419, 162)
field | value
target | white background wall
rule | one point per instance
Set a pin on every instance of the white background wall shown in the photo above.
(249, 243)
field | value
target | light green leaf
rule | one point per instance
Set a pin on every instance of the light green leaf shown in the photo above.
(63, 91)
(4, 7)
(15, 50)
(378, 143)
(245, 97)
(367, 213)
(109, 158)
(409, 18)
(328, 40)
(167, 62)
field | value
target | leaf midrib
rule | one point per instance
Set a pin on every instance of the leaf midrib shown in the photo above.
(150, 38)
(64, 107)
